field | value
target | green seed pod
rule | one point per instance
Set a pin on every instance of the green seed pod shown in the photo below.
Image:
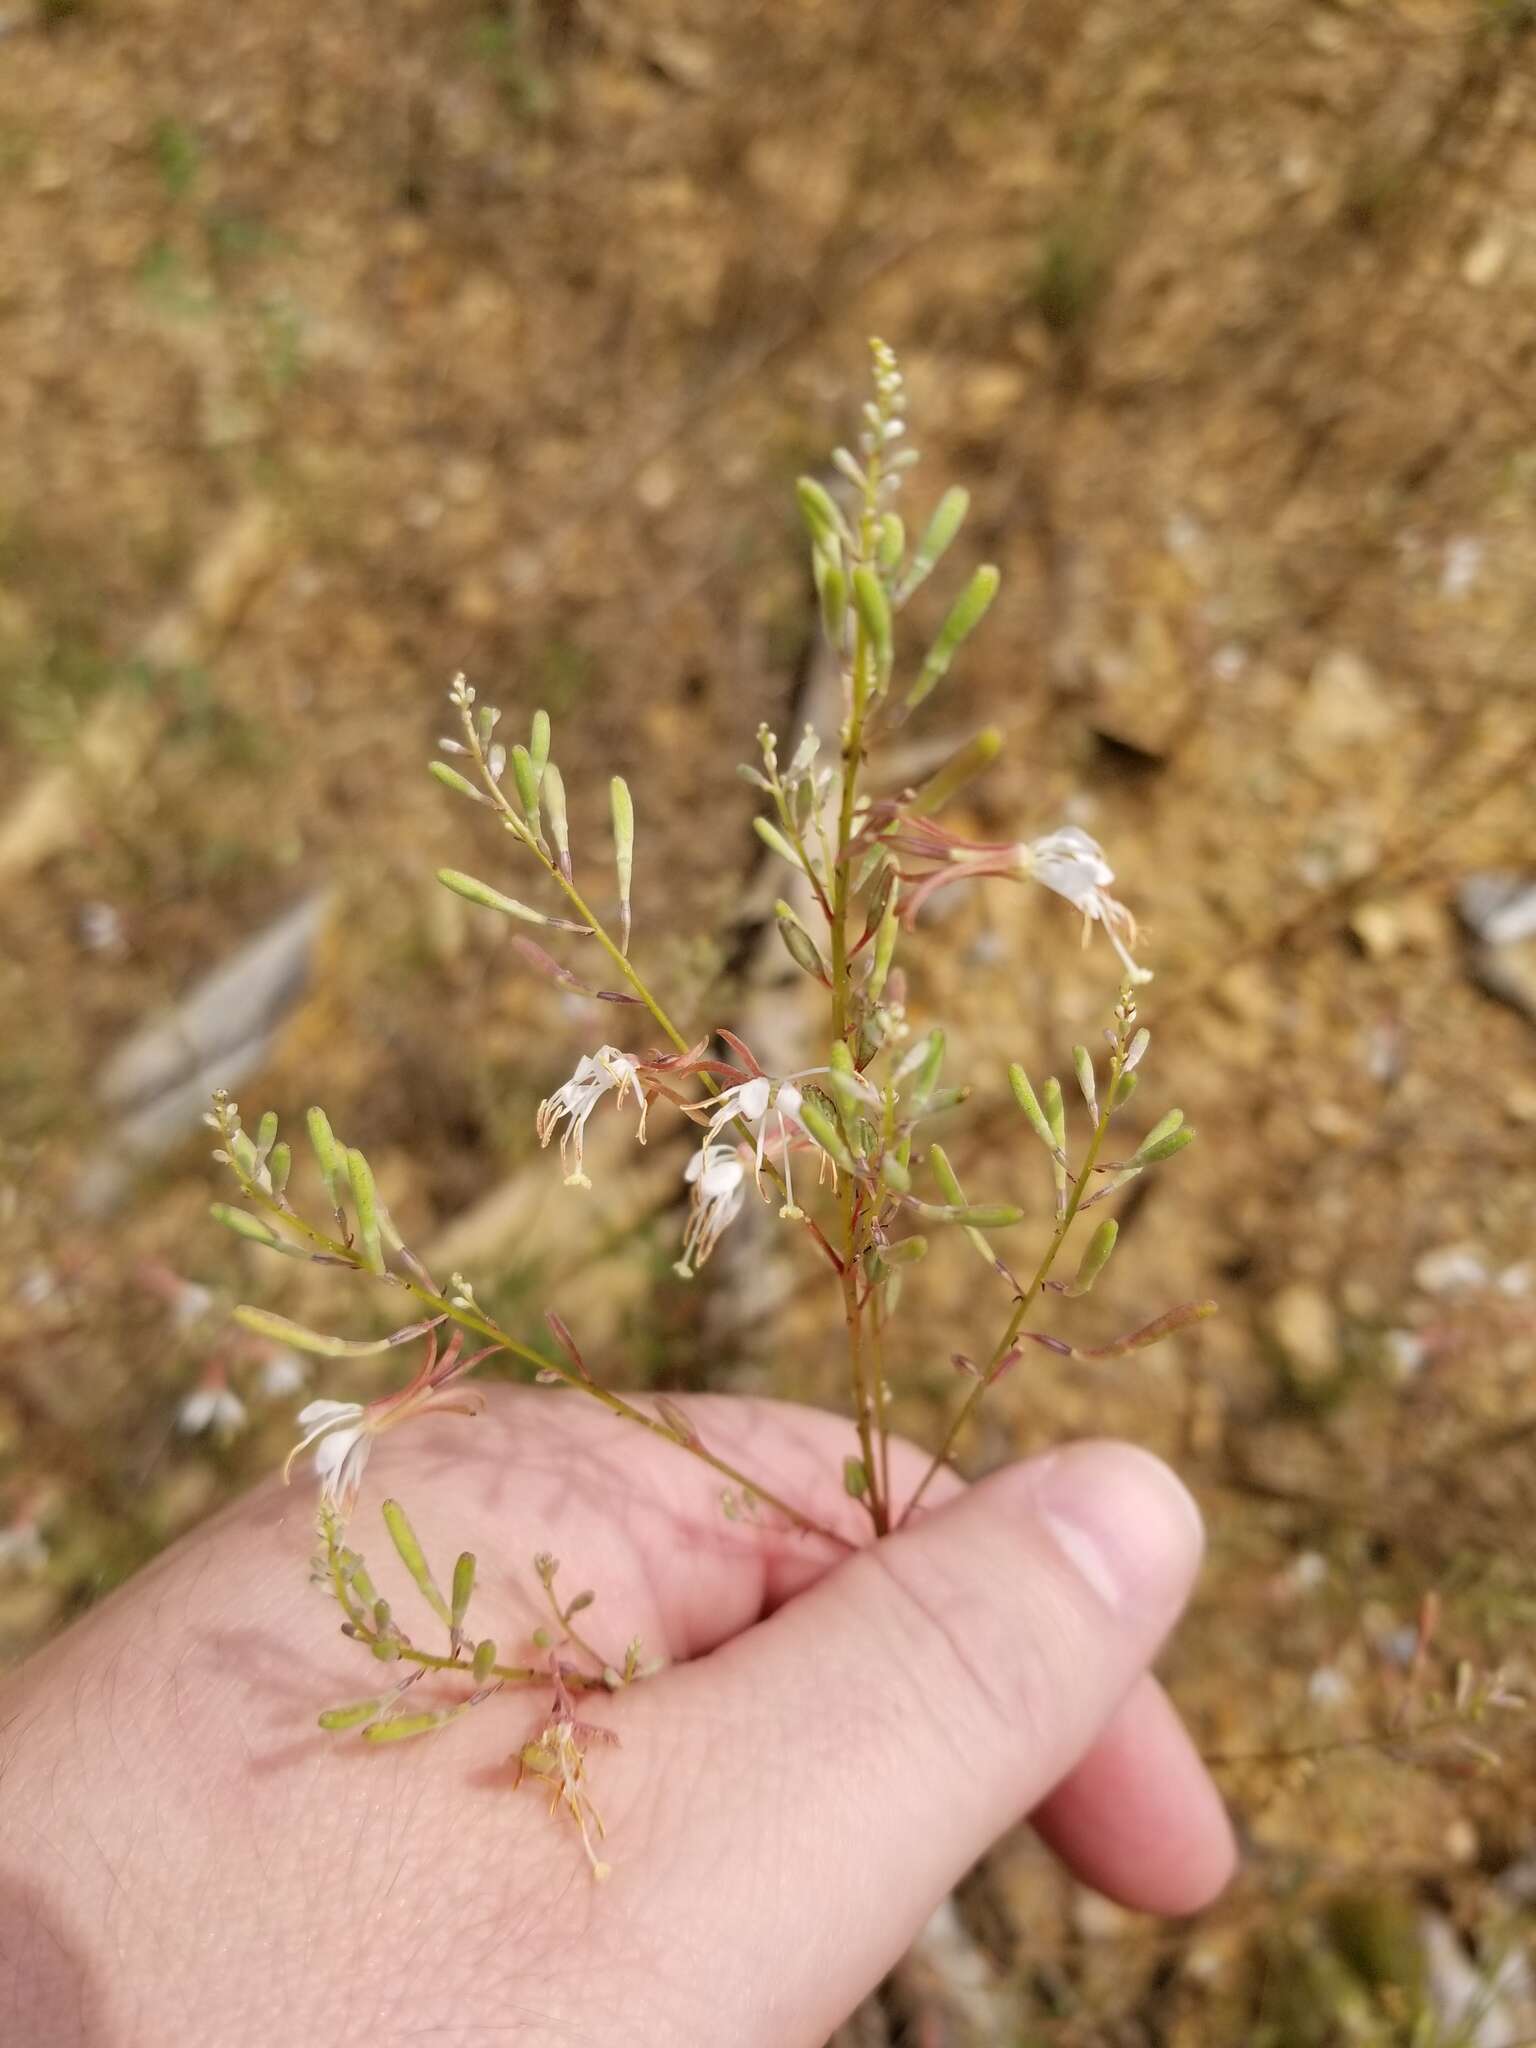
(1163, 1129)
(894, 1174)
(538, 742)
(987, 1215)
(855, 1479)
(485, 1657)
(892, 542)
(623, 807)
(1165, 1148)
(1055, 1114)
(874, 612)
(885, 941)
(928, 1070)
(906, 1251)
(243, 1153)
(463, 1590)
(823, 522)
(799, 944)
(350, 1717)
(552, 789)
(775, 841)
(945, 1175)
(1095, 1256)
(951, 776)
(815, 1120)
(401, 1727)
(1123, 1090)
(280, 1165)
(327, 1153)
(245, 1225)
(450, 778)
(832, 590)
(527, 778)
(948, 517)
(403, 1536)
(266, 1134)
(1024, 1095)
(365, 1202)
(488, 898)
(1082, 1067)
(966, 614)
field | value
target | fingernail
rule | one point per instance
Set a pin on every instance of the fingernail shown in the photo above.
(1123, 1521)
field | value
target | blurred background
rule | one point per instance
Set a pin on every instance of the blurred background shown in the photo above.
(345, 348)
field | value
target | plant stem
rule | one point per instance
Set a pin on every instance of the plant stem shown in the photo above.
(469, 1317)
(1031, 1293)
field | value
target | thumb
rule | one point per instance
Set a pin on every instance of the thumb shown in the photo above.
(863, 1746)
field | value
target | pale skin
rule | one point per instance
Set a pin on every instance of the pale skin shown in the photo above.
(839, 1735)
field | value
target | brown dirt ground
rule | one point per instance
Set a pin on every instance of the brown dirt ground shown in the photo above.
(495, 338)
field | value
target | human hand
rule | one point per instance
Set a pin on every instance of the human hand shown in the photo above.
(839, 1737)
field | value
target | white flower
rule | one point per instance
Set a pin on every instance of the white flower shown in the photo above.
(215, 1408)
(1072, 863)
(573, 1102)
(758, 1102)
(719, 1182)
(341, 1430)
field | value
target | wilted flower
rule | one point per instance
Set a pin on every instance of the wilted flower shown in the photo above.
(719, 1182)
(573, 1102)
(1072, 863)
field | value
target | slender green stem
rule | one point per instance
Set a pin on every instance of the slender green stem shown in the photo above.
(1031, 1293)
(427, 1660)
(470, 1317)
